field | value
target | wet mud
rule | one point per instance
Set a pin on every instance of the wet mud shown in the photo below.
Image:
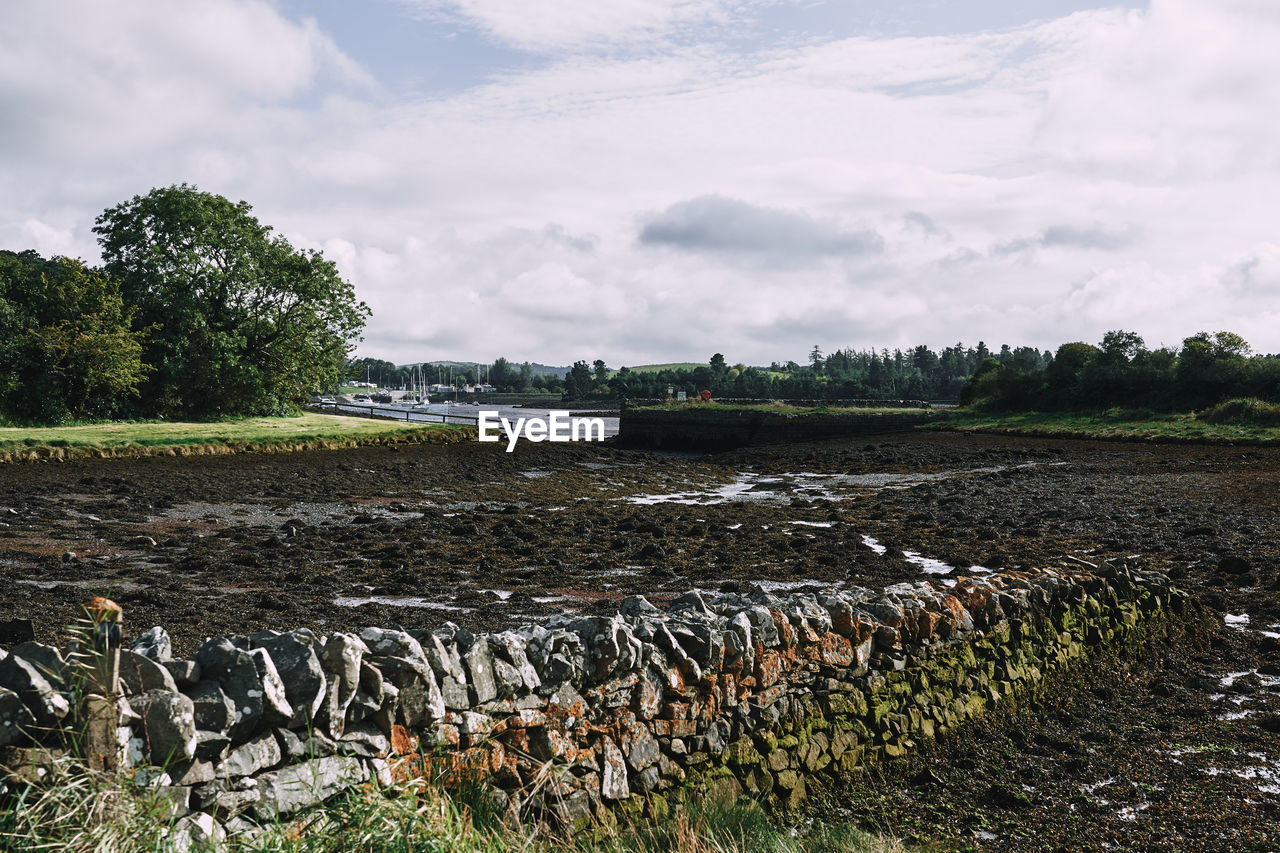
(1177, 748)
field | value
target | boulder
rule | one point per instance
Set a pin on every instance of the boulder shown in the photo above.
(46, 704)
(419, 700)
(196, 832)
(154, 643)
(276, 710)
(48, 661)
(340, 661)
(168, 725)
(364, 740)
(299, 668)
(444, 658)
(613, 778)
(479, 663)
(186, 673)
(691, 600)
(139, 673)
(214, 710)
(383, 641)
(236, 672)
(291, 788)
(637, 607)
(512, 648)
(298, 746)
(261, 753)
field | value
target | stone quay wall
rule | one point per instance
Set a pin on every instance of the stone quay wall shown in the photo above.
(718, 429)
(579, 720)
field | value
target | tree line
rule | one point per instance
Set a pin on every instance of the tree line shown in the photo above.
(505, 376)
(1118, 371)
(1121, 371)
(198, 311)
(917, 373)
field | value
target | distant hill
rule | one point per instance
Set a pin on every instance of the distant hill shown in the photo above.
(538, 369)
(658, 368)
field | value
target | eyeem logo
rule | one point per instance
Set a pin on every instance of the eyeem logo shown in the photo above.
(557, 426)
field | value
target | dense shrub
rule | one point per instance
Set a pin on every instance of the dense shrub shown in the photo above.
(1246, 410)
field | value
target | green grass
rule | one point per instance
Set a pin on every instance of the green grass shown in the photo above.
(76, 810)
(658, 368)
(782, 408)
(307, 430)
(1120, 424)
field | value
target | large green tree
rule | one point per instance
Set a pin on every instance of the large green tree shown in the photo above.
(241, 322)
(67, 351)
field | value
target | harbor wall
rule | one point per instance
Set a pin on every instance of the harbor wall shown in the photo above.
(693, 428)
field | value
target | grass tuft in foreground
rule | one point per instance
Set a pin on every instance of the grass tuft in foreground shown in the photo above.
(75, 810)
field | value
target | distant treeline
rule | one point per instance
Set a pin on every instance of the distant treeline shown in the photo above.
(918, 373)
(1120, 371)
(506, 377)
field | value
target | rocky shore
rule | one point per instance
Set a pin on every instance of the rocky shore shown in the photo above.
(1176, 750)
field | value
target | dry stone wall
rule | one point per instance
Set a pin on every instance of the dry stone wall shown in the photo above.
(572, 721)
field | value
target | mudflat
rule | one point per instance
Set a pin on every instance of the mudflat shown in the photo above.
(1174, 747)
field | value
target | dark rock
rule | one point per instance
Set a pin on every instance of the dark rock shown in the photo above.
(15, 631)
(1233, 564)
(16, 720)
(301, 746)
(211, 746)
(214, 710)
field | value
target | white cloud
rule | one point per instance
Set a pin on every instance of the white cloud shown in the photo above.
(47, 239)
(1043, 183)
(85, 78)
(1180, 93)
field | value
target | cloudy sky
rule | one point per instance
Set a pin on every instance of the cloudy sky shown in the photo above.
(657, 180)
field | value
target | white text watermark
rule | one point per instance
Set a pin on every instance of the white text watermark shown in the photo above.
(556, 426)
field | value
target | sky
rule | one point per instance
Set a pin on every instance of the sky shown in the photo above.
(658, 180)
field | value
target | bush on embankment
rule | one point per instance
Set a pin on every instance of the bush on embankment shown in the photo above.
(1247, 410)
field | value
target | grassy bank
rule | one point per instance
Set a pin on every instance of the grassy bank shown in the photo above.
(74, 811)
(1119, 425)
(155, 438)
(781, 408)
